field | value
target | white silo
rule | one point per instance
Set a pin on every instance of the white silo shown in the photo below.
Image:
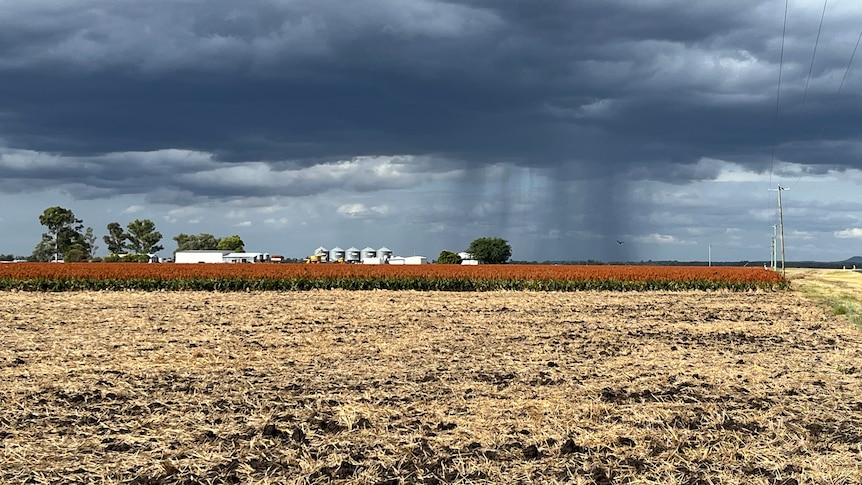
(352, 255)
(321, 254)
(336, 254)
(369, 253)
(384, 253)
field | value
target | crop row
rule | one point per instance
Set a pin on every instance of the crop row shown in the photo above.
(292, 277)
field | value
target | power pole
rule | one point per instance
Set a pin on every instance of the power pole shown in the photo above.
(773, 263)
(781, 229)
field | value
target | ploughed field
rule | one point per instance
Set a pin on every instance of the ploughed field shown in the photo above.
(387, 387)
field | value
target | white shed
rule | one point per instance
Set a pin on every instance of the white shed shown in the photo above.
(246, 257)
(200, 256)
(467, 258)
(408, 260)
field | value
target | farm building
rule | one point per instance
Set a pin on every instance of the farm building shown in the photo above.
(408, 260)
(218, 256)
(246, 258)
(368, 255)
(467, 258)
(200, 256)
(377, 256)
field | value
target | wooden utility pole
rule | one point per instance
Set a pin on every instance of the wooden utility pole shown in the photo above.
(773, 261)
(781, 230)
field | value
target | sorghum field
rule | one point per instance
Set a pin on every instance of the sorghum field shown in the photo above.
(390, 387)
(289, 277)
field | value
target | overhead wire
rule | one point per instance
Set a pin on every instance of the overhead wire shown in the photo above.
(778, 104)
(840, 87)
(843, 79)
(807, 82)
(778, 93)
(813, 54)
(810, 71)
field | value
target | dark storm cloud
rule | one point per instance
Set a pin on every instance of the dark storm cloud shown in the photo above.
(583, 89)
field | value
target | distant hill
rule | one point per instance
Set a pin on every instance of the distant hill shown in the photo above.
(854, 260)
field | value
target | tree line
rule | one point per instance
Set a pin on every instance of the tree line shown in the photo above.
(66, 239)
(486, 250)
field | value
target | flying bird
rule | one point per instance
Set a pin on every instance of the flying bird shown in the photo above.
(619, 242)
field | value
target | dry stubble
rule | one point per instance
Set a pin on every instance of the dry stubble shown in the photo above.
(406, 387)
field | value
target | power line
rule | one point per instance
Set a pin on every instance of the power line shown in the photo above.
(813, 54)
(779, 188)
(850, 63)
(843, 80)
(810, 70)
(778, 94)
(778, 104)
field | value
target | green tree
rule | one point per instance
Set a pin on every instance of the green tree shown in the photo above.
(75, 254)
(45, 250)
(90, 243)
(116, 238)
(193, 242)
(231, 243)
(490, 250)
(143, 237)
(76, 246)
(448, 257)
(64, 229)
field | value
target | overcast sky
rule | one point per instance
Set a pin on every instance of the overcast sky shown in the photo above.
(420, 125)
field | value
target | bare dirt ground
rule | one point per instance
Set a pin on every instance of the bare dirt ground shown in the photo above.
(405, 387)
